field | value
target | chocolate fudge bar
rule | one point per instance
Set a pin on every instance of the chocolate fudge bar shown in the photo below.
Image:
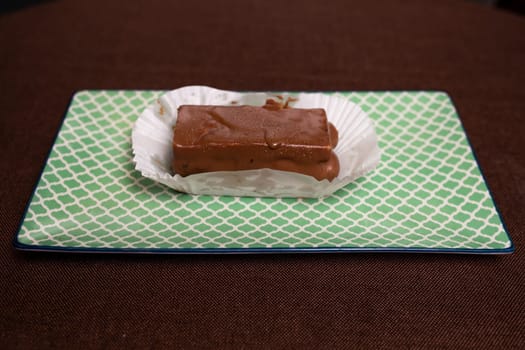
(229, 138)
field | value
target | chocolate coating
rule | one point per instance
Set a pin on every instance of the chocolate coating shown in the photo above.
(229, 138)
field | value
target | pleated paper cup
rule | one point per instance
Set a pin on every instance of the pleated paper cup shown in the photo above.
(152, 137)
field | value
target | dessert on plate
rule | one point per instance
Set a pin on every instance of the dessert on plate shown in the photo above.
(202, 140)
(232, 138)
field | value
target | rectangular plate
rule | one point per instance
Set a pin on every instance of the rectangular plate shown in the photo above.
(427, 195)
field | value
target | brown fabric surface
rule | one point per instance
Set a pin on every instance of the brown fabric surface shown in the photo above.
(53, 48)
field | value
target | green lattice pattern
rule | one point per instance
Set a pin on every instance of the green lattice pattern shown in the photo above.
(426, 193)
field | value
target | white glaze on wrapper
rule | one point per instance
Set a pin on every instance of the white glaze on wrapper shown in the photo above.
(152, 137)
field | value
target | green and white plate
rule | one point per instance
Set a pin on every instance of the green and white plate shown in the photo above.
(427, 194)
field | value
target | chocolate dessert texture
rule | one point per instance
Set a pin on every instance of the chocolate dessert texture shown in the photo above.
(231, 138)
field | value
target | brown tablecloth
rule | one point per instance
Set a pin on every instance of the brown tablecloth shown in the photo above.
(50, 49)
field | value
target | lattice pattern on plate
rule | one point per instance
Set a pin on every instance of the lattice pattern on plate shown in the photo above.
(427, 192)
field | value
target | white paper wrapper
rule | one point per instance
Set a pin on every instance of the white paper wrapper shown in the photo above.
(152, 135)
